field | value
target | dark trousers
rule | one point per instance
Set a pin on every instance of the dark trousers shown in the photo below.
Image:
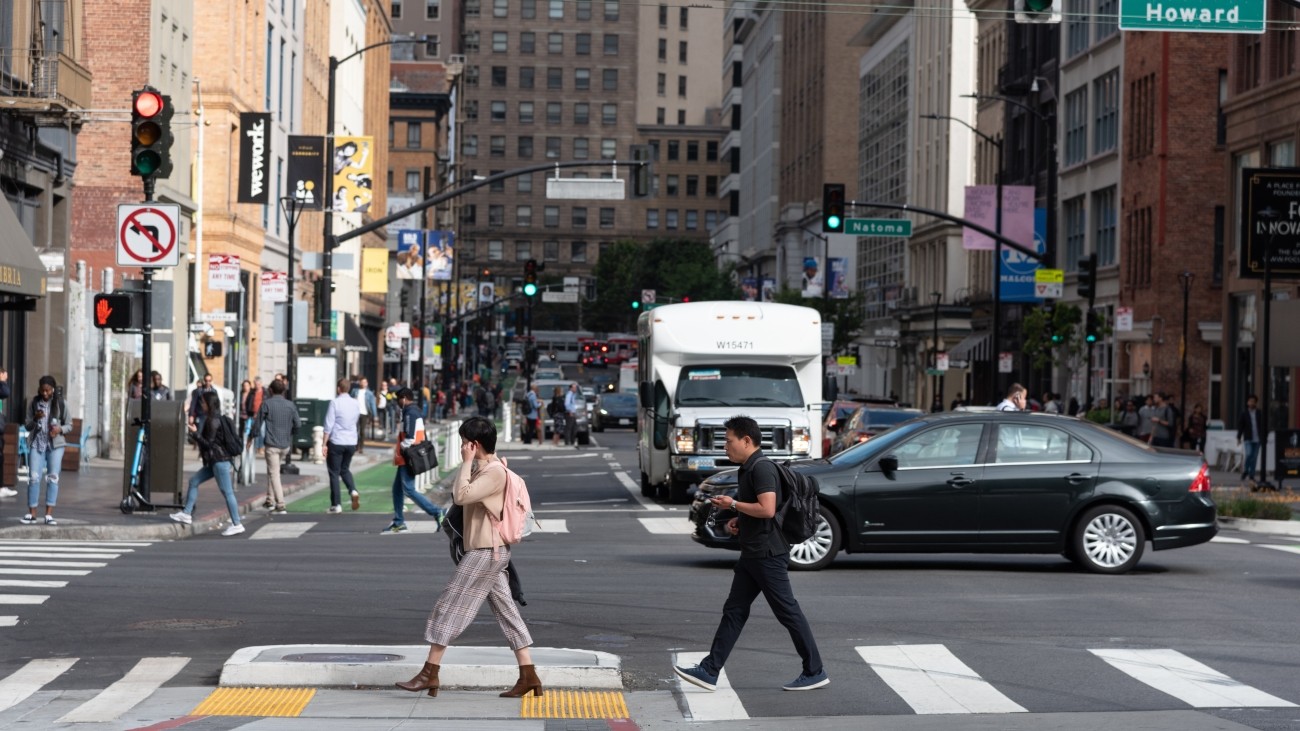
(770, 577)
(338, 461)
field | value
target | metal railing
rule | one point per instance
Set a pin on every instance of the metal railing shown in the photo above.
(52, 77)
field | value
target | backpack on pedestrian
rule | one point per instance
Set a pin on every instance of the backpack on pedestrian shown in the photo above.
(800, 510)
(516, 521)
(230, 440)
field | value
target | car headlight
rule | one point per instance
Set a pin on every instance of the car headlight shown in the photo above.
(800, 443)
(685, 438)
(604, 412)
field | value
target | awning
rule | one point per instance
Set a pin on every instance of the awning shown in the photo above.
(972, 347)
(21, 270)
(354, 340)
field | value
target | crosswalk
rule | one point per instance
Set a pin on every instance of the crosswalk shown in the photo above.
(38, 561)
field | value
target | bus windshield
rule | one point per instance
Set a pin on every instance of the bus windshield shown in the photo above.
(739, 385)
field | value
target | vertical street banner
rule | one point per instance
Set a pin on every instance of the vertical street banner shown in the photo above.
(306, 181)
(814, 281)
(749, 289)
(1270, 222)
(254, 157)
(982, 208)
(769, 289)
(839, 277)
(223, 272)
(354, 174)
(440, 255)
(487, 292)
(275, 286)
(374, 270)
(410, 253)
(468, 300)
(1018, 270)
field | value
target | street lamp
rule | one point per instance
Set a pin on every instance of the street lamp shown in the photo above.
(938, 377)
(1186, 280)
(292, 209)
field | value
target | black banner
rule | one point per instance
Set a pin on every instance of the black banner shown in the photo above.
(254, 157)
(306, 171)
(1270, 222)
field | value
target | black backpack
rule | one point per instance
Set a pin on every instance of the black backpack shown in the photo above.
(798, 514)
(229, 438)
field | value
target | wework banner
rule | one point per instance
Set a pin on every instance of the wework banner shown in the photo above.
(307, 170)
(254, 157)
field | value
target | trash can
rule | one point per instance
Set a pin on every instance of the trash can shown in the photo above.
(312, 413)
(165, 453)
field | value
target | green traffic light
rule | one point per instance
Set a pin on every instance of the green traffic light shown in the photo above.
(833, 221)
(1091, 338)
(636, 305)
(455, 340)
(530, 289)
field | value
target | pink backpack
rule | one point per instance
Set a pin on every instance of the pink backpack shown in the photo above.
(516, 521)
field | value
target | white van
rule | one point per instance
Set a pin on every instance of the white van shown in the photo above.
(701, 363)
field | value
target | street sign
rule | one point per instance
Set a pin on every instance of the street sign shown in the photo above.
(223, 272)
(560, 297)
(1206, 16)
(1049, 283)
(592, 189)
(219, 316)
(1123, 319)
(147, 235)
(888, 227)
(885, 343)
(648, 296)
(941, 362)
(572, 284)
(275, 286)
(1004, 362)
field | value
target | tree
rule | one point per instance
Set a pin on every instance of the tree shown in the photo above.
(1052, 336)
(846, 314)
(674, 268)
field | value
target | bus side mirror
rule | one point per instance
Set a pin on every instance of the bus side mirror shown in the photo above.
(644, 395)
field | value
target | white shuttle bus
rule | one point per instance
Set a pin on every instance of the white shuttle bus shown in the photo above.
(700, 363)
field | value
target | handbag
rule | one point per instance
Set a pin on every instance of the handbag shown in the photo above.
(420, 458)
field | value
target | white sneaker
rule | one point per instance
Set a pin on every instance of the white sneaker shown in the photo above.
(8, 492)
(233, 530)
(181, 516)
(335, 509)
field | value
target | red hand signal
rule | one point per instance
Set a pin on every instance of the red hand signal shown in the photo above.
(102, 310)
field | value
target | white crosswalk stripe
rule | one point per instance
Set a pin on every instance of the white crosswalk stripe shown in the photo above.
(23, 598)
(33, 583)
(30, 678)
(668, 526)
(723, 704)
(1288, 549)
(932, 680)
(1194, 683)
(275, 531)
(43, 560)
(138, 684)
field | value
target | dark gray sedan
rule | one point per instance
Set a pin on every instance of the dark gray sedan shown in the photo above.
(996, 482)
(614, 410)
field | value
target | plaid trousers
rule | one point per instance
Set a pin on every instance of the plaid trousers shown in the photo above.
(479, 577)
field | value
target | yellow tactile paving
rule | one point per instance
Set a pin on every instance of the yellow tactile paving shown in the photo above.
(255, 702)
(574, 704)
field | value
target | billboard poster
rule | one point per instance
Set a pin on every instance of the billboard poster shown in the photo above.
(440, 255)
(982, 209)
(354, 174)
(1018, 269)
(374, 270)
(487, 291)
(814, 281)
(306, 181)
(468, 299)
(769, 289)
(749, 289)
(1270, 222)
(410, 253)
(839, 277)
(254, 157)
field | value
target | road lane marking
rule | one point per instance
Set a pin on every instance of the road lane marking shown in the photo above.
(551, 525)
(723, 704)
(33, 583)
(9, 621)
(932, 680)
(138, 684)
(635, 489)
(40, 546)
(579, 455)
(30, 678)
(23, 598)
(1194, 683)
(42, 554)
(1288, 549)
(576, 474)
(52, 564)
(1226, 539)
(668, 526)
(107, 545)
(274, 531)
(43, 572)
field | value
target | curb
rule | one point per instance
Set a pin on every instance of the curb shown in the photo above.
(351, 666)
(1253, 525)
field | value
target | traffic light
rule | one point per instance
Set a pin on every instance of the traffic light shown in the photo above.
(1057, 337)
(455, 340)
(151, 133)
(120, 311)
(530, 278)
(1088, 278)
(1093, 332)
(641, 173)
(833, 208)
(1038, 11)
(636, 304)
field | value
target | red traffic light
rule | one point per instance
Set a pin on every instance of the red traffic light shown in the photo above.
(148, 103)
(116, 312)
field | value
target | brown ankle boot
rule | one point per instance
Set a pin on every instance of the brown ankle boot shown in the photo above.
(528, 680)
(427, 679)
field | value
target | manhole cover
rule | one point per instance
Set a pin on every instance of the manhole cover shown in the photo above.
(154, 625)
(342, 657)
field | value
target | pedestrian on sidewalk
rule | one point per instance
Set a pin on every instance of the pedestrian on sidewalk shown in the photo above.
(278, 421)
(5, 490)
(403, 482)
(572, 402)
(158, 391)
(197, 412)
(1162, 421)
(761, 567)
(532, 411)
(341, 419)
(216, 463)
(1249, 436)
(481, 574)
(555, 410)
(47, 417)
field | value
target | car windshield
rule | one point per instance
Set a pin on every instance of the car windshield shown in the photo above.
(863, 451)
(619, 401)
(739, 385)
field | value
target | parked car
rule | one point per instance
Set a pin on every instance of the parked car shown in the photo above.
(868, 421)
(545, 389)
(995, 482)
(549, 373)
(614, 409)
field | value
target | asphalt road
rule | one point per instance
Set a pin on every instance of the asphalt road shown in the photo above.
(616, 573)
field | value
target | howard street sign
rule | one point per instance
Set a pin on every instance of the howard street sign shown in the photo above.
(887, 227)
(1206, 16)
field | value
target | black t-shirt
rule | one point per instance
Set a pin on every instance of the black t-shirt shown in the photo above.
(759, 537)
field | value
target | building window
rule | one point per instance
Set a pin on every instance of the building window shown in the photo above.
(1075, 231)
(432, 9)
(681, 116)
(659, 115)
(551, 250)
(1107, 19)
(554, 112)
(496, 186)
(471, 41)
(412, 180)
(670, 187)
(551, 216)
(555, 43)
(556, 11)
(523, 216)
(663, 49)
(661, 81)
(395, 9)
(581, 113)
(607, 218)
(1142, 116)
(711, 151)
(578, 252)
(652, 218)
(681, 86)
(1105, 97)
(523, 250)
(496, 249)
(555, 78)
(582, 79)
(471, 145)
(525, 146)
(528, 9)
(681, 52)
(500, 44)
(525, 183)
(528, 42)
(497, 146)
(1076, 126)
(711, 186)
(674, 150)
(498, 111)
(581, 147)
(609, 114)
(611, 11)
(496, 215)
(413, 134)
(609, 79)
(469, 214)
(499, 77)
(1077, 24)
(552, 148)
(692, 151)
(670, 219)
(579, 217)
(692, 220)
(692, 185)
(432, 46)
(471, 8)
(583, 10)
(608, 149)
(1105, 216)
(527, 74)
(611, 44)
(471, 78)
(582, 44)
(663, 16)
(500, 8)
(682, 16)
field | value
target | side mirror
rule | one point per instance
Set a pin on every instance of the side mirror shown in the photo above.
(888, 464)
(644, 395)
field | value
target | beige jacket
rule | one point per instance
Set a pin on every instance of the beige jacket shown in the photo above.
(480, 486)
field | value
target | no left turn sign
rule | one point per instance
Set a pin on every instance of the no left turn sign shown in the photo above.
(147, 235)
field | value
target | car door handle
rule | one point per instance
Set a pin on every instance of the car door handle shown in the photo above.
(961, 481)
(1074, 478)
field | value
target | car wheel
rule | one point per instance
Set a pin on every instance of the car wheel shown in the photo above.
(647, 490)
(677, 491)
(817, 552)
(597, 426)
(1108, 539)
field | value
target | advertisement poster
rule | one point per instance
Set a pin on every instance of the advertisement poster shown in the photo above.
(374, 270)
(839, 277)
(439, 251)
(769, 289)
(487, 292)
(813, 278)
(254, 157)
(982, 209)
(223, 272)
(410, 253)
(1018, 269)
(468, 296)
(354, 174)
(275, 286)
(749, 289)
(307, 171)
